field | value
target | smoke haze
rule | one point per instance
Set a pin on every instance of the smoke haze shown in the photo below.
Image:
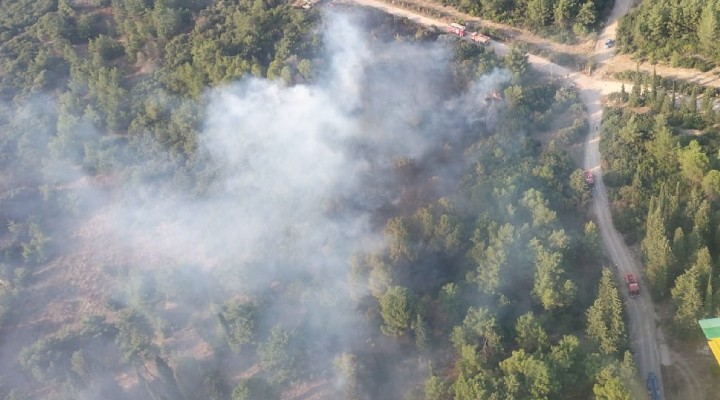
(305, 177)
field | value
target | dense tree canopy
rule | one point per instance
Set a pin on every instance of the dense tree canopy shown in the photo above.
(682, 32)
(481, 274)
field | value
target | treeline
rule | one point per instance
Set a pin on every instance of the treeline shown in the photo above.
(563, 20)
(684, 32)
(664, 183)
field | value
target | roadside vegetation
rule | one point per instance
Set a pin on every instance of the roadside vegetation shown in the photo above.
(660, 151)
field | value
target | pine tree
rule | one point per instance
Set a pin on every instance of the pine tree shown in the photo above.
(653, 86)
(680, 250)
(397, 307)
(703, 265)
(550, 289)
(693, 162)
(663, 147)
(707, 29)
(688, 302)
(592, 241)
(422, 341)
(709, 303)
(530, 334)
(701, 234)
(610, 384)
(435, 387)
(657, 250)
(635, 99)
(605, 324)
(693, 100)
(706, 107)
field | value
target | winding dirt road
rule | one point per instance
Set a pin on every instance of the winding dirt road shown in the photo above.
(646, 337)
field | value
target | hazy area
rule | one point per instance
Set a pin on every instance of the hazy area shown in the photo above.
(384, 213)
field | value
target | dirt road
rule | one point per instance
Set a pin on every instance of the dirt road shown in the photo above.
(602, 54)
(645, 335)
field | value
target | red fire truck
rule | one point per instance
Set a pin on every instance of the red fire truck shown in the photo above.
(457, 29)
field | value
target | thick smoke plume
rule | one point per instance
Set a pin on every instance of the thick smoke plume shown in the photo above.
(303, 168)
(305, 176)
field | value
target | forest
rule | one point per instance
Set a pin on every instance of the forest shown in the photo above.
(246, 200)
(660, 148)
(683, 33)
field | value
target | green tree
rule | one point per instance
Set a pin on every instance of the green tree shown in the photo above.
(592, 241)
(709, 303)
(605, 323)
(469, 387)
(479, 328)
(706, 106)
(688, 303)
(526, 377)
(663, 147)
(134, 338)
(490, 267)
(254, 388)
(514, 95)
(279, 355)
(566, 361)
(450, 302)
(587, 15)
(656, 246)
(711, 184)
(702, 230)
(680, 250)
(693, 162)
(707, 28)
(530, 335)
(35, 248)
(348, 370)
(564, 12)
(539, 13)
(436, 388)
(551, 290)
(580, 188)
(397, 307)
(380, 277)
(421, 329)
(611, 385)
(238, 321)
(516, 61)
(399, 232)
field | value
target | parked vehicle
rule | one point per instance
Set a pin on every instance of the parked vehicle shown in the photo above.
(632, 284)
(652, 386)
(590, 178)
(457, 29)
(479, 38)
